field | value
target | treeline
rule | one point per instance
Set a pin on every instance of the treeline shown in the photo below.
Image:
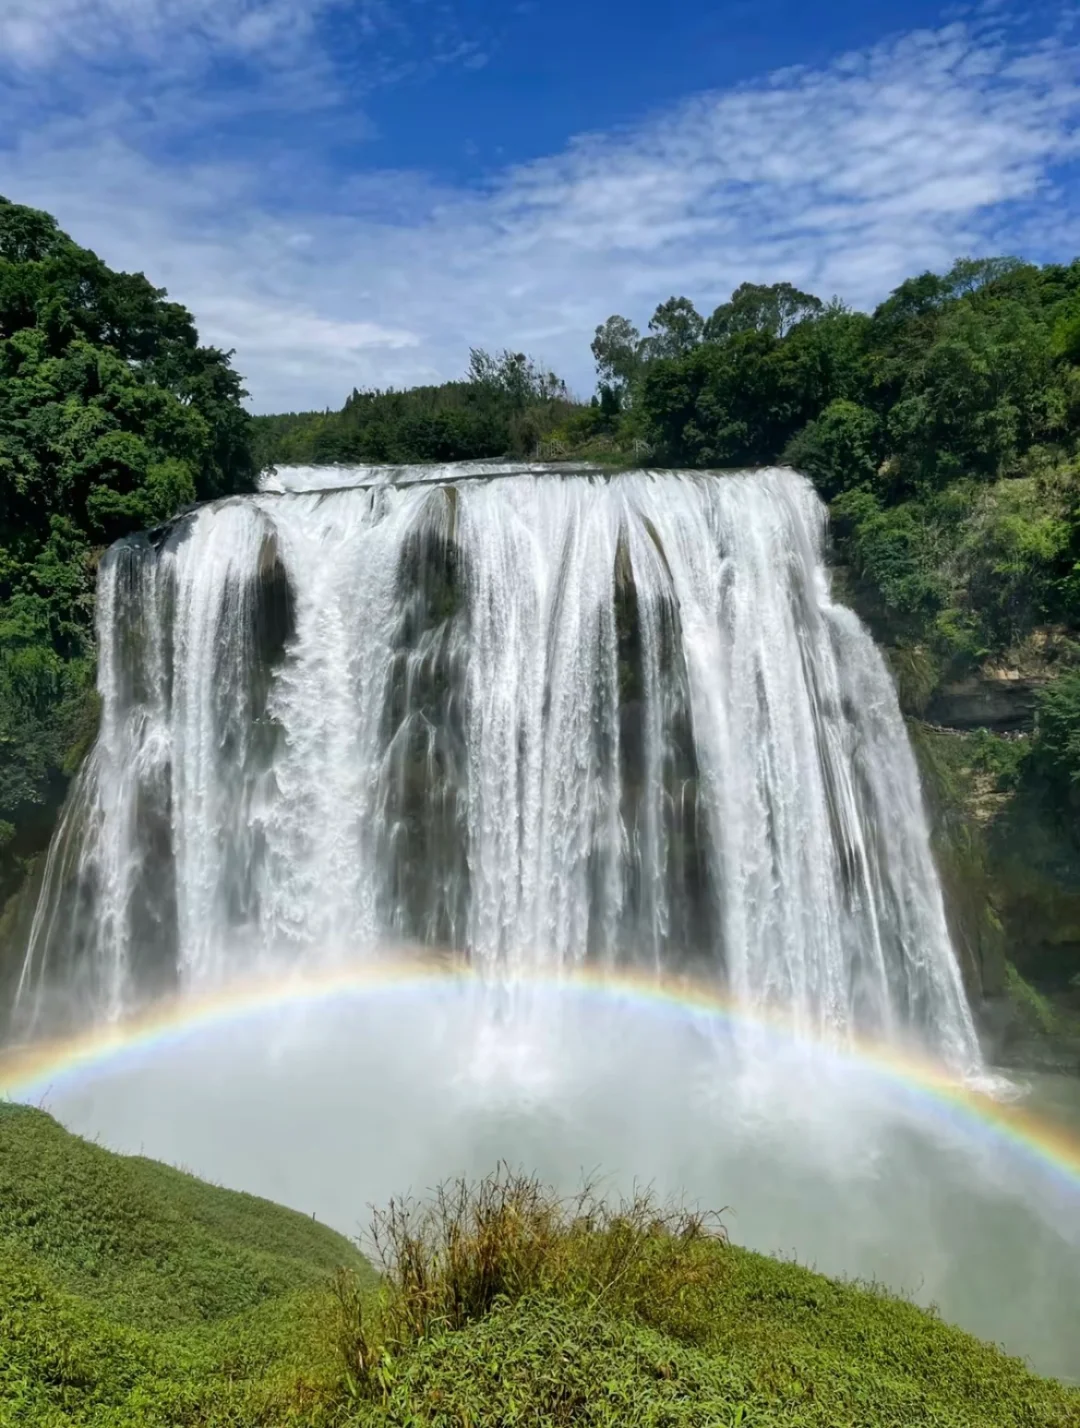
(112, 418)
(505, 405)
(954, 375)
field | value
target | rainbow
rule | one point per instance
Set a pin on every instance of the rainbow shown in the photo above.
(31, 1071)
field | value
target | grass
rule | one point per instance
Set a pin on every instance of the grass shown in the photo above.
(134, 1294)
(131, 1293)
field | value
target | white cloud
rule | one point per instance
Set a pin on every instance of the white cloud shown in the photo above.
(844, 180)
(34, 33)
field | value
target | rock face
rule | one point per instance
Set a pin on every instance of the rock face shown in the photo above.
(1010, 869)
(1002, 701)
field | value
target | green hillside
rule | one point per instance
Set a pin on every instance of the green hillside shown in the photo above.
(133, 1294)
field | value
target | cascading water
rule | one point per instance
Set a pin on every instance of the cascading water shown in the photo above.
(537, 716)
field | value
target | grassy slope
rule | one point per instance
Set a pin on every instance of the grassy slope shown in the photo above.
(133, 1294)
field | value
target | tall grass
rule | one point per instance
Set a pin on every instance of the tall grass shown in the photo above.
(476, 1246)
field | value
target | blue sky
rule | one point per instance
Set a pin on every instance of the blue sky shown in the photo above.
(353, 192)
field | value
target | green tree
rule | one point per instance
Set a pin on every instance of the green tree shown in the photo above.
(617, 350)
(730, 404)
(675, 328)
(840, 449)
(753, 307)
(516, 376)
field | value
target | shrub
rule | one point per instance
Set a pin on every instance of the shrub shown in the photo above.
(475, 1247)
(1058, 728)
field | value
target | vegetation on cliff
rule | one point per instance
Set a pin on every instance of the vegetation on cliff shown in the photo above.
(131, 1293)
(943, 429)
(112, 418)
(505, 405)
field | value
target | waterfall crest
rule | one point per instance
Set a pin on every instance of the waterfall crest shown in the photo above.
(535, 716)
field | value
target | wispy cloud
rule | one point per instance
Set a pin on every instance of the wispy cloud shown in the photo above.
(187, 62)
(36, 33)
(843, 179)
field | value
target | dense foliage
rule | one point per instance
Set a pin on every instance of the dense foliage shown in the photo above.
(943, 428)
(505, 405)
(112, 418)
(131, 1293)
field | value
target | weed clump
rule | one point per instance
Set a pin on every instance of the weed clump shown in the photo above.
(475, 1248)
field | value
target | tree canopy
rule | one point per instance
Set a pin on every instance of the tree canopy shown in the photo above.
(506, 403)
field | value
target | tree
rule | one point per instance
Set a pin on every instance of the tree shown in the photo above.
(970, 275)
(1065, 341)
(840, 449)
(975, 395)
(731, 404)
(773, 309)
(616, 348)
(676, 327)
(516, 376)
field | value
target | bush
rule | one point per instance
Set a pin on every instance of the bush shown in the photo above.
(841, 449)
(1058, 729)
(504, 1304)
(475, 1247)
(892, 551)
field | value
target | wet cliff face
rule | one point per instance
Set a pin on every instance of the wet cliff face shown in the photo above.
(1007, 844)
(1001, 700)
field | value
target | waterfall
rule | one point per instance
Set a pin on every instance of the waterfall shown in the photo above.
(535, 716)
